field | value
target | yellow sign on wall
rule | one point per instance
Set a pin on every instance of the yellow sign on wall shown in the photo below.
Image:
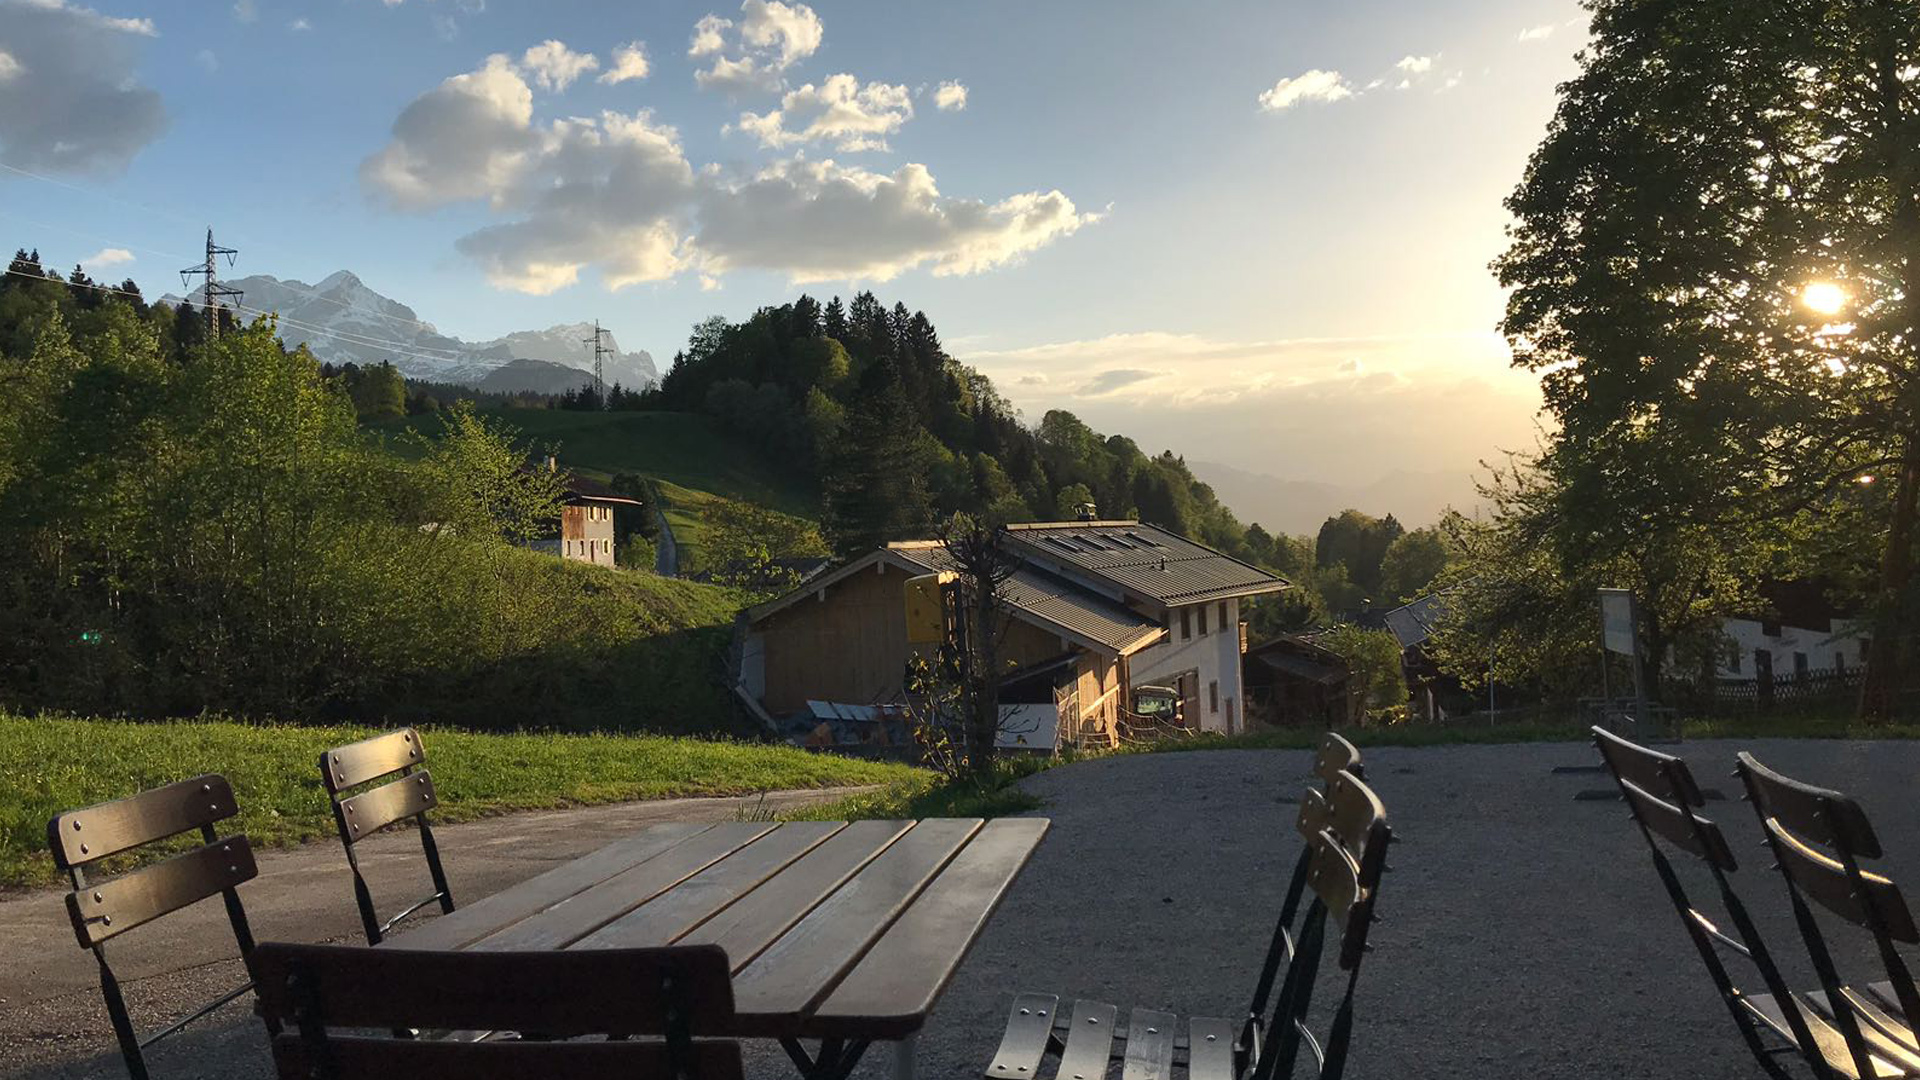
(926, 613)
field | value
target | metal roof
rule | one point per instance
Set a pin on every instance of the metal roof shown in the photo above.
(1075, 609)
(1145, 560)
(1413, 623)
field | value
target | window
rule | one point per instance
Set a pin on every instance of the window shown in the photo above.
(1186, 623)
(1799, 665)
(1839, 663)
(1223, 616)
(1733, 658)
(1203, 621)
(1213, 697)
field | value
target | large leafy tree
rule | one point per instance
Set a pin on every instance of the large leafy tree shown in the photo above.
(1716, 268)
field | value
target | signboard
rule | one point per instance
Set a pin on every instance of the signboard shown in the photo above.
(926, 612)
(1616, 621)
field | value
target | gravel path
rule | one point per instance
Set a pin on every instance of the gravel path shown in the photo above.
(1522, 933)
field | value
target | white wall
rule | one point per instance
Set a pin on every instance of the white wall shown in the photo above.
(1216, 656)
(1819, 646)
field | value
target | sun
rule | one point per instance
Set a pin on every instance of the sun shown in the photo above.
(1824, 298)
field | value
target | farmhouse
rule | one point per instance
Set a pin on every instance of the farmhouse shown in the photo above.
(1094, 610)
(586, 522)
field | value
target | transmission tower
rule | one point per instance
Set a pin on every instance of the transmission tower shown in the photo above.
(212, 292)
(600, 351)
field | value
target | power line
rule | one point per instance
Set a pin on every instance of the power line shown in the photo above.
(212, 289)
(600, 351)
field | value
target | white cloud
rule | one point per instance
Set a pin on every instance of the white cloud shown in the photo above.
(554, 66)
(299, 25)
(207, 60)
(629, 62)
(1312, 86)
(840, 110)
(106, 257)
(469, 138)
(820, 221)
(793, 31)
(1415, 65)
(1537, 33)
(1341, 409)
(143, 27)
(245, 10)
(950, 97)
(84, 109)
(752, 53)
(616, 195)
(709, 35)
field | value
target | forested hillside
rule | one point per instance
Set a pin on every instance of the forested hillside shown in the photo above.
(898, 434)
(193, 525)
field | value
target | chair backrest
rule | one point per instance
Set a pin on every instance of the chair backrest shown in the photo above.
(334, 1004)
(1818, 837)
(1663, 797)
(1343, 876)
(104, 906)
(399, 758)
(1335, 756)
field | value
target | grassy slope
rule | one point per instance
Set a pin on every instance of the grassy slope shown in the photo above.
(679, 448)
(50, 764)
(693, 464)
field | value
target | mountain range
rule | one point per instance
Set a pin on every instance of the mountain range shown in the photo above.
(342, 321)
(1301, 506)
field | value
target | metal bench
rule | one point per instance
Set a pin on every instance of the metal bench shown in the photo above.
(407, 797)
(1346, 837)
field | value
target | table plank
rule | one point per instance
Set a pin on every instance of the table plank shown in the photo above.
(752, 923)
(798, 970)
(674, 913)
(487, 916)
(590, 909)
(889, 993)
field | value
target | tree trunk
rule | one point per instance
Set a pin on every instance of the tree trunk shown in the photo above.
(984, 729)
(1881, 690)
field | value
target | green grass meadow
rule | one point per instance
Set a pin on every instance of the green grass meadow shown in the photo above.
(51, 764)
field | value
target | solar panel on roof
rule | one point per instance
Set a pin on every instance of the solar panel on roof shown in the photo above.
(1144, 540)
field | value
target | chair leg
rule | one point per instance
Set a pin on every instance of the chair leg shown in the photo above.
(122, 1022)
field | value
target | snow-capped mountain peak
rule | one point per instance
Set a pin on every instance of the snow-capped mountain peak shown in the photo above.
(341, 320)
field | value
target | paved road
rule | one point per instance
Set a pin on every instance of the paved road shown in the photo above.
(1523, 933)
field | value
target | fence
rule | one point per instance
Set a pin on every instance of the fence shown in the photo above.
(1817, 690)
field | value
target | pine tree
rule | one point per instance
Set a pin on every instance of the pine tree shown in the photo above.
(836, 321)
(877, 491)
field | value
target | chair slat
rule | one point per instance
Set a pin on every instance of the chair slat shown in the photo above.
(424, 1059)
(1353, 809)
(1829, 1044)
(1824, 816)
(1903, 1057)
(109, 908)
(1334, 876)
(1654, 772)
(1024, 1043)
(1825, 880)
(1149, 1046)
(370, 811)
(1209, 1049)
(1687, 831)
(1336, 756)
(1089, 1041)
(1314, 816)
(356, 763)
(78, 837)
(387, 987)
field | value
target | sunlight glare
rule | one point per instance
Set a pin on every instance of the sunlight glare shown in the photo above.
(1824, 297)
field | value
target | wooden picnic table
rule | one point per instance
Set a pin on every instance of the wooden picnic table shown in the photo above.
(846, 933)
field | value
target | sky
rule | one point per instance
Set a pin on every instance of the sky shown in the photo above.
(1255, 233)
